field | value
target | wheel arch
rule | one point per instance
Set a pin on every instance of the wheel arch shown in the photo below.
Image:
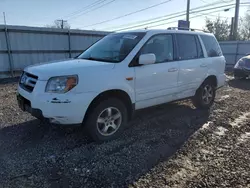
(113, 93)
(213, 79)
(197, 97)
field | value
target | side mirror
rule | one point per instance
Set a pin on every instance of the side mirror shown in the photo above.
(146, 59)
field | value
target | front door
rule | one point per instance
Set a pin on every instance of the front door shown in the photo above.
(157, 83)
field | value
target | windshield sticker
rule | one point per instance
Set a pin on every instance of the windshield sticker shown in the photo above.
(129, 37)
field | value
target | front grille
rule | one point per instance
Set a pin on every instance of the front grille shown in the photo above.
(28, 81)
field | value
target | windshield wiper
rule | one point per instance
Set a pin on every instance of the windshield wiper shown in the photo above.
(100, 59)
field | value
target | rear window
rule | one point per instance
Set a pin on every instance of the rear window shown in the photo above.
(211, 45)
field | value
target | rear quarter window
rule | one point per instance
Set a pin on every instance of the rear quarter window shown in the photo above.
(211, 45)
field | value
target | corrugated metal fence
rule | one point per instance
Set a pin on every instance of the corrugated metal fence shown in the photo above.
(234, 50)
(22, 46)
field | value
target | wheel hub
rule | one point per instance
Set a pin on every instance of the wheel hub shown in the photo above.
(207, 94)
(109, 121)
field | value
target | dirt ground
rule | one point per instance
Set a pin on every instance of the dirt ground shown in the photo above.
(172, 145)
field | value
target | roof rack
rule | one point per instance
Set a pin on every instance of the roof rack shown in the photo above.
(184, 28)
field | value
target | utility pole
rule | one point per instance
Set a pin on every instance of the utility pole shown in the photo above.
(8, 46)
(231, 37)
(62, 23)
(236, 19)
(4, 18)
(188, 8)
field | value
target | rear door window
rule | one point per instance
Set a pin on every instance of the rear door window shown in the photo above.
(187, 46)
(211, 45)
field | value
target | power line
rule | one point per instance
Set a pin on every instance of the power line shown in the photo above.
(203, 1)
(156, 18)
(208, 14)
(192, 12)
(190, 18)
(173, 17)
(84, 8)
(178, 19)
(92, 10)
(142, 21)
(146, 9)
(223, 1)
(128, 14)
(183, 14)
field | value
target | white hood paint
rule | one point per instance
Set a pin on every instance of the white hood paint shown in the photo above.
(67, 67)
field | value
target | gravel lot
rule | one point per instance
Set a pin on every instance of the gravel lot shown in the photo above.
(173, 145)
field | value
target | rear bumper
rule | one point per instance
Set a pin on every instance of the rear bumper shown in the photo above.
(221, 80)
(241, 72)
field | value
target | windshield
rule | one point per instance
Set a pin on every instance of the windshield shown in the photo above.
(112, 48)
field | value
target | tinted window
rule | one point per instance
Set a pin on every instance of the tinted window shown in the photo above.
(161, 46)
(211, 45)
(187, 46)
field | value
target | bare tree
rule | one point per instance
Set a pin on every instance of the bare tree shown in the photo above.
(220, 28)
(60, 24)
(244, 29)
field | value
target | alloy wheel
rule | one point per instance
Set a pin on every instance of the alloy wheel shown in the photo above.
(109, 121)
(207, 94)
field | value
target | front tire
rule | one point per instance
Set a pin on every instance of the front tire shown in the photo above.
(106, 120)
(205, 95)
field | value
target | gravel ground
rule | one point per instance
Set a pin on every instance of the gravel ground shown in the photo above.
(173, 145)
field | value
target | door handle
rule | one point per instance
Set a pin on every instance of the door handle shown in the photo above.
(203, 65)
(172, 70)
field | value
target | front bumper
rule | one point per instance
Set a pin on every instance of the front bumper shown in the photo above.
(25, 105)
(241, 72)
(69, 108)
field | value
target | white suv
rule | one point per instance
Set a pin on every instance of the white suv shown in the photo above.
(121, 73)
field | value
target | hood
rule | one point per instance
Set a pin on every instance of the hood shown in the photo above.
(67, 67)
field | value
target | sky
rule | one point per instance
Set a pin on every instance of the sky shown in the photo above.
(44, 12)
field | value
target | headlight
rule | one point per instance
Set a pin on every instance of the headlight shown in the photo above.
(240, 64)
(61, 84)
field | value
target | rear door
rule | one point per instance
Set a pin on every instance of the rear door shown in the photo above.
(214, 58)
(193, 67)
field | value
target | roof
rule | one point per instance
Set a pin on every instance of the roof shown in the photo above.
(158, 31)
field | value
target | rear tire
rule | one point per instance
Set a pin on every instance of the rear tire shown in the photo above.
(205, 95)
(106, 120)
